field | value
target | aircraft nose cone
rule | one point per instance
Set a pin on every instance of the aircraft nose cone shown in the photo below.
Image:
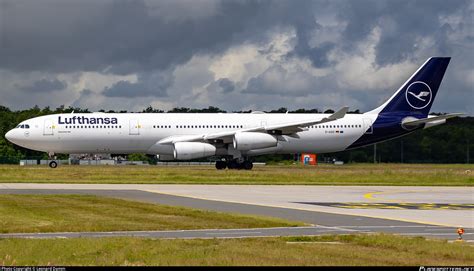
(9, 135)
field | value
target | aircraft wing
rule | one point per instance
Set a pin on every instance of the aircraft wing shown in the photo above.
(284, 128)
(291, 128)
(431, 119)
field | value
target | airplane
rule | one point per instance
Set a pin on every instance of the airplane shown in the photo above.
(235, 138)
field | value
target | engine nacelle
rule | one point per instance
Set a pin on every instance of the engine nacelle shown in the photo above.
(246, 141)
(192, 150)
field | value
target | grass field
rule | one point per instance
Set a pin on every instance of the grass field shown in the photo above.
(352, 174)
(70, 213)
(322, 250)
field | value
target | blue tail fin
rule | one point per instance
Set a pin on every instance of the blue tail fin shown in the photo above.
(416, 96)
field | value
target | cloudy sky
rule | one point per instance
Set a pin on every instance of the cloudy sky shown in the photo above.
(236, 55)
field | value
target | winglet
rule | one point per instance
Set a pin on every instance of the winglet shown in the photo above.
(339, 114)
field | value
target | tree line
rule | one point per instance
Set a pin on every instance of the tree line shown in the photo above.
(448, 143)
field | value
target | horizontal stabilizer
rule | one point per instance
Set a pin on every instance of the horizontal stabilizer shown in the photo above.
(430, 119)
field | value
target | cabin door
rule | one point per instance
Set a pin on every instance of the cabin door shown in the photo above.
(134, 127)
(368, 129)
(48, 127)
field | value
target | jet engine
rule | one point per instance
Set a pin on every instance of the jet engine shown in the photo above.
(192, 150)
(246, 141)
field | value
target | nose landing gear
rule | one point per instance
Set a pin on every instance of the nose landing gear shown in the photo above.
(53, 163)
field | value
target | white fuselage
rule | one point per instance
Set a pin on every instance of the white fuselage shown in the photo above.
(141, 132)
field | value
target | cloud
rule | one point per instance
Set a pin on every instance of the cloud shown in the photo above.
(231, 54)
(223, 85)
(402, 23)
(278, 80)
(118, 36)
(45, 85)
(147, 84)
(226, 85)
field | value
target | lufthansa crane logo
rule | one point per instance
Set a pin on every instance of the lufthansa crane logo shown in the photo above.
(418, 95)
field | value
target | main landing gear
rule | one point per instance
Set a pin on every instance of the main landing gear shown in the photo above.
(234, 164)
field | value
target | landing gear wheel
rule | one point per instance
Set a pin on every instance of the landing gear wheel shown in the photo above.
(247, 165)
(53, 164)
(233, 164)
(221, 165)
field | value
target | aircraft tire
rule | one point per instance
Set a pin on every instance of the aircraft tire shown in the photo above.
(233, 164)
(53, 164)
(247, 165)
(221, 165)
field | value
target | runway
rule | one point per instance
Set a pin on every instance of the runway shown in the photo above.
(433, 212)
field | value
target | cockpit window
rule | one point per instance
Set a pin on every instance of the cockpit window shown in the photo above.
(22, 126)
(18, 126)
(27, 126)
